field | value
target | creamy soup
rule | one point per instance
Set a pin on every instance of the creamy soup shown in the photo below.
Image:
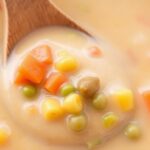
(79, 47)
(65, 90)
(125, 25)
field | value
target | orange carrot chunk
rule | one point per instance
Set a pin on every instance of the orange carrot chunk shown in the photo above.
(32, 70)
(33, 67)
(20, 79)
(54, 81)
(146, 96)
(42, 54)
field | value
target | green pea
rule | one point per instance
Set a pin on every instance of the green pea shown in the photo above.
(77, 122)
(109, 120)
(132, 131)
(99, 102)
(67, 89)
(29, 91)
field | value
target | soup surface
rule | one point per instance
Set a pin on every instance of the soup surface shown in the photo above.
(119, 65)
(78, 45)
(125, 25)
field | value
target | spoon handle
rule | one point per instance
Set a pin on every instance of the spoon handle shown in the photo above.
(3, 31)
(26, 16)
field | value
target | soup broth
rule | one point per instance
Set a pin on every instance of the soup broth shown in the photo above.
(114, 64)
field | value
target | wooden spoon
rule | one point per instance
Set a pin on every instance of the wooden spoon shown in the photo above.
(3, 29)
(26, 16)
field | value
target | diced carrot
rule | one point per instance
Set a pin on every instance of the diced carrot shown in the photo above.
(20, 79)
(32, 70)
(146, 96)
(95, 51)
(42, 54)
(54, 81)
(33, 67)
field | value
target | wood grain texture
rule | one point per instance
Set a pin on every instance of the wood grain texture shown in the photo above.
(28, 15)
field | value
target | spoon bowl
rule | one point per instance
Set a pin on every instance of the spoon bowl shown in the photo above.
(26, 16)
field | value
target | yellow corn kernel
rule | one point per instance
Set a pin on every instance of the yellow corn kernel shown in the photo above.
(4, 134)
(124, 99)
(51, 109)
(73, 104)
(66, 64)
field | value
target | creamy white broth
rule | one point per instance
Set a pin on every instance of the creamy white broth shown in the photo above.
(115, 69)
(124, 24)
(111, 77)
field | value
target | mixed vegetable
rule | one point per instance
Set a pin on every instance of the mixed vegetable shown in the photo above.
(39, 70)
(132, 131)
